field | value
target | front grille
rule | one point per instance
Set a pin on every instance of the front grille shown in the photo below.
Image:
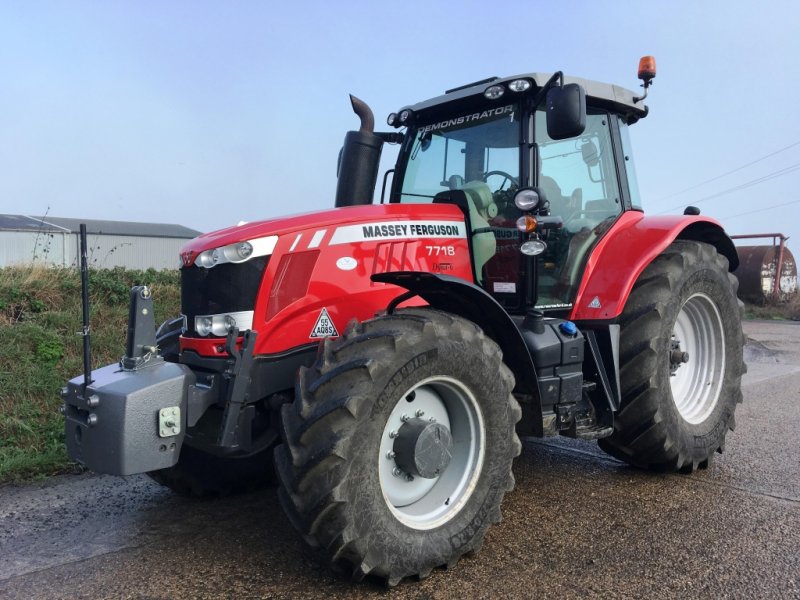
(226, 288)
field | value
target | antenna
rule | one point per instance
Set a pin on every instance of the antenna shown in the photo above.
(87, 341)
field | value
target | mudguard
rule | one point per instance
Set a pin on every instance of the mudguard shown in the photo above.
(467, 300)
(629, 246)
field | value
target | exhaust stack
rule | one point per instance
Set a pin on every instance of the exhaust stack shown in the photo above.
(364, 113)
(359, 160)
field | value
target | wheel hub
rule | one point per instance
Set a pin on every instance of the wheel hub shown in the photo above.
(431, 452)
(677, 357)
(423, 448)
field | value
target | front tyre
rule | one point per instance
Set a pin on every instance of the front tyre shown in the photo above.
(398, 448)
(680, 361)
(201, 475)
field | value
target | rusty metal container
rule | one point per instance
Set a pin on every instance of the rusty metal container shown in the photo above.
(758, 274)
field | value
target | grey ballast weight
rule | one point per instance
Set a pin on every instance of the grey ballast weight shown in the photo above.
(125, 422)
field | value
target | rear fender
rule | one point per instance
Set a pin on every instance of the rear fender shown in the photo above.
(465, 299)
(629, 246)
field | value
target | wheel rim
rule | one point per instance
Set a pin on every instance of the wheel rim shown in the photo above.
(697, 382)
(427, 503)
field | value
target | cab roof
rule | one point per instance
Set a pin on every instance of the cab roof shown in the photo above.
(601, 95)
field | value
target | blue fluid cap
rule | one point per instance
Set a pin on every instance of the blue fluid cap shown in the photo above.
(568, 328)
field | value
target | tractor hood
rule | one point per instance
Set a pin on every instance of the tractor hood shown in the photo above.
(323, 223)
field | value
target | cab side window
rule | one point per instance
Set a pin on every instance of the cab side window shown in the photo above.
(579, 178)
(578, 175)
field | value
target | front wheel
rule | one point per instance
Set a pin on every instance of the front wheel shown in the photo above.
(680, 361)
(200, 474)
(398, 448)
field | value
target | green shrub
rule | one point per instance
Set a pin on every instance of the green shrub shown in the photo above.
(40, 315)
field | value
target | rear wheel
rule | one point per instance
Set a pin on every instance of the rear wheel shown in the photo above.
(398, 448)
(680, 361)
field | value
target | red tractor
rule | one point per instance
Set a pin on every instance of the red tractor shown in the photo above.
(385, 357)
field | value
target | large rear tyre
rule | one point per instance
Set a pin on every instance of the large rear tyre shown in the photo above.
(680, 361)
(201, 474)
(397, 450)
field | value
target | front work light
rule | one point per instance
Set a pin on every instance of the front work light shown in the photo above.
(519, 85)
(494, 92)
(391, 119)
(526, 199)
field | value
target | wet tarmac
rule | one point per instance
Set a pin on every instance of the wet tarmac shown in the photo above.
(578, 525)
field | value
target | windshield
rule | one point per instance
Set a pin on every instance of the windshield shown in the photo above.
(478, 147)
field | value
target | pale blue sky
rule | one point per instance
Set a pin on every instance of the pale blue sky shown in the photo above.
(207, 113)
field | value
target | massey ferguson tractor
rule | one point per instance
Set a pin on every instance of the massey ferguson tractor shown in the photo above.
(381, 359)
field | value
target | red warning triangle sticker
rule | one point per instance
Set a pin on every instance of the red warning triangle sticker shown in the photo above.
(324, 326)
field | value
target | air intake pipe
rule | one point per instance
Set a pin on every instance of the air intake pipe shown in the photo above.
(359, 160)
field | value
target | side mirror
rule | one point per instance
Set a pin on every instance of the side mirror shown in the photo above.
(566, 111)
(590, 154)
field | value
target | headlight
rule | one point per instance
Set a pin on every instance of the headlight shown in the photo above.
(203, 325)
(526, 199)
(206, 259)
(237, 253)
(220, 325)
(533, 247)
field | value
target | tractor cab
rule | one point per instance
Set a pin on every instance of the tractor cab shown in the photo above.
(562, 141)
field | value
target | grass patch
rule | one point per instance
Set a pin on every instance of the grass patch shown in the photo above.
(40, 317)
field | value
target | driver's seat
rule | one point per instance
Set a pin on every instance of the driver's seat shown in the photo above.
(476, 199)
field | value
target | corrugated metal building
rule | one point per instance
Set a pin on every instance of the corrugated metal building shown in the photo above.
(55, 241)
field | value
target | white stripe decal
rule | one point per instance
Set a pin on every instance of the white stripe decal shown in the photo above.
(294, 243)
(317, 239)
(398, 230)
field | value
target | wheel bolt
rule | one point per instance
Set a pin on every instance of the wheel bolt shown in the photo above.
(393, 434)
(390, 455)
(397, 472)
(432, 420)
(420, 412)
(409, 478)
(405, 418)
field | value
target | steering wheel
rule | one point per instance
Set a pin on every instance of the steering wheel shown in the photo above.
(504, 175)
